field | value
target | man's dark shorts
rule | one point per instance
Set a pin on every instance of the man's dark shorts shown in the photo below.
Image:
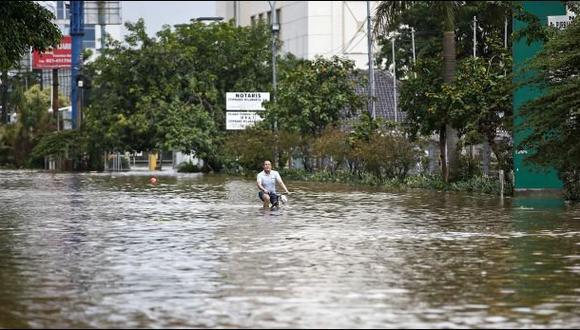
(273, 197)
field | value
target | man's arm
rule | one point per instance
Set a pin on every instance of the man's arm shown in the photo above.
(259, 184)
(279, 179)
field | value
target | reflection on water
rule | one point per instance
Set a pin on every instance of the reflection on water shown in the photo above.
(101, 250)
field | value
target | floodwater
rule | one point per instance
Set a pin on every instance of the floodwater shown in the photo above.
(104, 250)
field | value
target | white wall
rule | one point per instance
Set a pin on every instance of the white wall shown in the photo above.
(310, 28)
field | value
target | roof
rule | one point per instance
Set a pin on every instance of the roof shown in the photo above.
(384, 104)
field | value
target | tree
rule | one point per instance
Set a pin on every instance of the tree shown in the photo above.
(169, 92)
(484, 90)
(314, 95)
(450, 20)
(418, 99)
(24, 24)
(552, 122)
(388, 18)
(33, 121)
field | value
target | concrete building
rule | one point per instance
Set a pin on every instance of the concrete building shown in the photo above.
(320, 28)
(310, 28)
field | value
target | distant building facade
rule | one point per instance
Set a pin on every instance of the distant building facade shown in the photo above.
(91, 40)
(320, 28)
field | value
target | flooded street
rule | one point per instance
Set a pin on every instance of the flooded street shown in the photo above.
(111, 250)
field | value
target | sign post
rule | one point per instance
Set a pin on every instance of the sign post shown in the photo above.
(55, 58)
(242, 109)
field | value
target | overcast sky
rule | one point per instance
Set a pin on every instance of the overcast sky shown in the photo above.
(158, 13)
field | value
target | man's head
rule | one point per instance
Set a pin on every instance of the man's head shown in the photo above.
(267, 166)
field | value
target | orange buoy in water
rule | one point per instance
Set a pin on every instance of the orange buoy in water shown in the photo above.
(153, 180)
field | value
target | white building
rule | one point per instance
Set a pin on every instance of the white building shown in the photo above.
(310, 28)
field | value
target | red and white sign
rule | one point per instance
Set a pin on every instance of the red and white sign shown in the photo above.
(54, 58)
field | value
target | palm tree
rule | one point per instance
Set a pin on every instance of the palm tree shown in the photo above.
(388, 16)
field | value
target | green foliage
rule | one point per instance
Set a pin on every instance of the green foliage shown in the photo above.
(314, 95)
(33, 121)
(387, 154)
(422, 98)
(249, 148)
(333, 145)
(188, 167)
(58, 144)
(8, 136)
(483, 94)
(478, 103)
(479, 184)
(552, 122)
(24, 24)
(427, 34)
(468, 168)
(33, 114)
(168, 92)
(427, 18)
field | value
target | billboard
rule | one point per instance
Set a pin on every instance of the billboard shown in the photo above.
(54, 58)
(243, 107)
(239, 120)
(237, 101)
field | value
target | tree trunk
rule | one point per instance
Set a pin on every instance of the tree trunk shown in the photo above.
(443, 152)
(449, 62)
(4, 89)
(54, 96)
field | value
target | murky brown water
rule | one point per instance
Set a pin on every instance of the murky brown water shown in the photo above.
(110, 251)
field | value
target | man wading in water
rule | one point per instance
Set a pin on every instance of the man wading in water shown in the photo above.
(267, 184)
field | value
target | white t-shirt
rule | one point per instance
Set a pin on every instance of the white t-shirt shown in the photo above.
(268, 181)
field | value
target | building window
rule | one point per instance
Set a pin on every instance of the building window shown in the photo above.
(89, 39)
(253, 19)
(62, 12)
(269, 18)
(261, 16)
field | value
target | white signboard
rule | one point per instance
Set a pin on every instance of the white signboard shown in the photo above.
(237, 101)
(239, 120)
(561, 21)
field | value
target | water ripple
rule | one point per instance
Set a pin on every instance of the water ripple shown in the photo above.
(197, 251)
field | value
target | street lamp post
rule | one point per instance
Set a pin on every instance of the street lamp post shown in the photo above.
(413, 45)
(474, 36)
(393, 36)
(77, 32)
(81, 86)
(275, 30)
(371, 103)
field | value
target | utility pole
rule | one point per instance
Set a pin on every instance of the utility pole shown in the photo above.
(413, 45)
(275, 30)
(394, 79)
(77, 32)
(371, 104)
(236, 13)
(505, 33)
(54, 95)
(474, 36)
